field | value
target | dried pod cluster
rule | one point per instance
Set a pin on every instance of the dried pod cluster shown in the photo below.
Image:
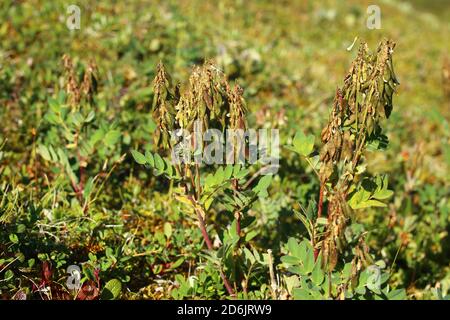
(207, 98)
(364, 100)
(79, 91)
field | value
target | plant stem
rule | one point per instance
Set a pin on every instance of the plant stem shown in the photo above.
(320, 205)
(273, 283)
(202, 226)
(209, 244)
(237, 214)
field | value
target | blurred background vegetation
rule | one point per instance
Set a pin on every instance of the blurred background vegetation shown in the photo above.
(289, 56)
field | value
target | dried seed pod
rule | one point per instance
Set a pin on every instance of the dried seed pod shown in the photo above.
(163, 106)
(237, 109)
(332, 138)
(89, 84)
(78, 92)
(358, 107)
(207, 98)
(72, 88)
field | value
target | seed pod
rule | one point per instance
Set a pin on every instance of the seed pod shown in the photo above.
(207, 98)
(89, 84)
(358, 107)
(164, 102)
(72, 87)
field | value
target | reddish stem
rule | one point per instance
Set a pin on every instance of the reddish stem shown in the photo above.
(316, 254)
(209, 245)
(205, 235)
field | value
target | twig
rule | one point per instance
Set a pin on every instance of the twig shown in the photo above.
(257, 173)
(273, 283)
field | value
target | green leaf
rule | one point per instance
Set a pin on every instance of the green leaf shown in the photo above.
(208, 203)
(13, 238)
(150, 159)
(177, 263)
(90, 117)
(169, 168)
(43, 151)
(52, 118)
(112, 290)
(250, 235)
(77, 119)
(219, 176)
(249, 256)
(54, 105)
(97, 136)
(167, 230)
(88, 187)
(21, 228)
(228, 172)
(294, 248)
(367, 204)
(370, 192)
(291, 283)
(308, 261)
(236, 169)
(303, 144)
(399, 294)
(243, 173)
(112, 137)
(159, 163)
(383, 194)
(62, 157)
(53, 155)
(208, 183)
(138, 157)
(9, 274)
(261, 188)
(303, 249)
(347, 271)
(290, 260)
(375, 203)
(301, 294)
(318, 275)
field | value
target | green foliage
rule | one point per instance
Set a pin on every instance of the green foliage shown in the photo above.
(303, 144)
(74, 139)
(310, 282)
(112, 290)
(370, 193)
(87, 179)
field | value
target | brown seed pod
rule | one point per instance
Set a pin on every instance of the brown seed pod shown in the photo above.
(207, 98)
(365, 99)
(71, 83)
(79, 92)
